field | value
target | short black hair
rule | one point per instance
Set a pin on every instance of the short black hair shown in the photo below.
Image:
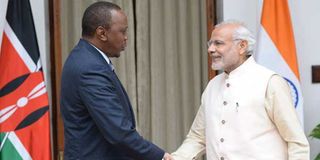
(97, 14)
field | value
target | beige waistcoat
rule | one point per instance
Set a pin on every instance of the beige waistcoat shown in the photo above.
(237, 123)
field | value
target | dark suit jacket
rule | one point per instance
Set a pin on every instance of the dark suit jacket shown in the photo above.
(98, 118)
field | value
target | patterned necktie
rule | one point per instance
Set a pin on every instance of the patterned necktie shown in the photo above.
(111, 66)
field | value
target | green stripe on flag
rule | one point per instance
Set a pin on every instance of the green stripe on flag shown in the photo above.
(8, 151)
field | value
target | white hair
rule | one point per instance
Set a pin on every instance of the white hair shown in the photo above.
(241, 33)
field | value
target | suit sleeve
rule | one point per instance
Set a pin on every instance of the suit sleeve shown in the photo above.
(99, 94)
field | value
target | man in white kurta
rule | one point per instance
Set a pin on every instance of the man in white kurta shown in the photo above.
(246, 112)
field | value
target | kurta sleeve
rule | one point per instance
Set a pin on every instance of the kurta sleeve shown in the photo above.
(194, 144)
(282, 112)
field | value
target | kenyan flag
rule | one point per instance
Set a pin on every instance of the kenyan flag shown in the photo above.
(24, 107)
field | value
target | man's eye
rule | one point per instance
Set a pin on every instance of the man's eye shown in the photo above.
(218, 43)
(215, 43)
(123, 31)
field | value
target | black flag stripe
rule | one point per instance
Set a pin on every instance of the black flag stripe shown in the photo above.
(19, 17)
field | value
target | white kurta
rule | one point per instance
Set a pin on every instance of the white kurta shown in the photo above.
(246, 115)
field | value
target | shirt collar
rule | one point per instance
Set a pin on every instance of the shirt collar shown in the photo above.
(103, 55)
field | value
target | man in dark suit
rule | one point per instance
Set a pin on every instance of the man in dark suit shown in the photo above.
(98, 118)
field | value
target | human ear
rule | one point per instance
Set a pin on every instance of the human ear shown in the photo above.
(243, 46)
(102, 33)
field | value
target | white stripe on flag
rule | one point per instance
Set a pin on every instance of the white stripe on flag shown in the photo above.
(19, 146)
(19, 48)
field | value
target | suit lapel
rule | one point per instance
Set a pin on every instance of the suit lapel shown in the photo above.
(122, 94)
(127, 100)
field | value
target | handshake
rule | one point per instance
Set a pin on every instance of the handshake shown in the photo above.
(167, 156)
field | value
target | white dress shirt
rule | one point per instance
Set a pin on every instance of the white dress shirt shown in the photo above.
(103, 54)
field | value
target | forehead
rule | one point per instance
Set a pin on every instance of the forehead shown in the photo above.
(223, 32)
(119, 17)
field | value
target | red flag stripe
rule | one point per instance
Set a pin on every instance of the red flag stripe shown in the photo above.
(11, 64)
(19, 48)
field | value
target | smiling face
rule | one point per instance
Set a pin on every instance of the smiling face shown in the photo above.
(226, 52)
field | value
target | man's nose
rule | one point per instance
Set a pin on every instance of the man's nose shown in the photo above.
(211, 49)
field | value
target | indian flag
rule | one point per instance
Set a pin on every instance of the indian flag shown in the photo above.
(276, 48)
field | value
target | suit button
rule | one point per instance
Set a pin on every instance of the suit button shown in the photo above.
(221, 158)
(221, 140)
(228, 84)
(225, 103)
(223, 121)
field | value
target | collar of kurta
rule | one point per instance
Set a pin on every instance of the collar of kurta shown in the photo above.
(241, 69)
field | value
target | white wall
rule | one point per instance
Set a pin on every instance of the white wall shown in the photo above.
(304, 16)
